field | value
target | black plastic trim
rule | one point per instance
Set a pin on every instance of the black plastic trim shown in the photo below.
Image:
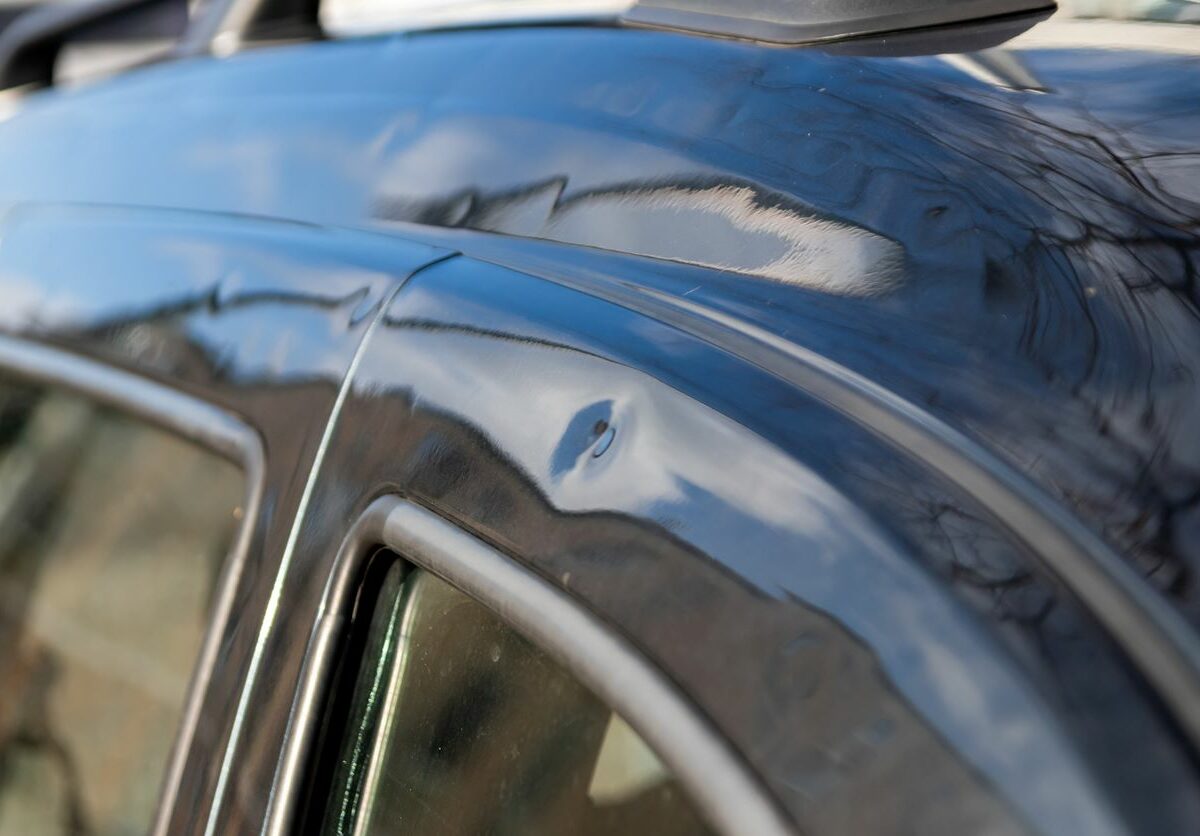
(815, 21)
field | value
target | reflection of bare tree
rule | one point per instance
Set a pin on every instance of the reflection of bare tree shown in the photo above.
(1046, 627)
(1054, 259)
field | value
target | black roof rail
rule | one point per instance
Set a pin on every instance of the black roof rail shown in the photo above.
(816, 21)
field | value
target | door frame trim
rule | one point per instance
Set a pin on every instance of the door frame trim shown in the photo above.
(715, 776)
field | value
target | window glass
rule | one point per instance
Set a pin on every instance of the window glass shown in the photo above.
(474, 730)
(112, 536)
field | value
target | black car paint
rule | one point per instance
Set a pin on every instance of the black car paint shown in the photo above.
(1019, 264)
(262, 319)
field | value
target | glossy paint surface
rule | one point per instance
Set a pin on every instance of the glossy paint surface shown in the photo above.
(260, 319)
(839, 611)
(1018, 262)
(1021, 260)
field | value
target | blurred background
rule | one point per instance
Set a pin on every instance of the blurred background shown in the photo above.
(1109, 23)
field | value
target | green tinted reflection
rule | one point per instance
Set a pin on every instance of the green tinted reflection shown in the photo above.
(366, 705)
(480, 732)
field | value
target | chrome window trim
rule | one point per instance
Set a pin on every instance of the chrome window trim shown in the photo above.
(718, 780)
(196, 420)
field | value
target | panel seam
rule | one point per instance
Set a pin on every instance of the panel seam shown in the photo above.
(289, 549)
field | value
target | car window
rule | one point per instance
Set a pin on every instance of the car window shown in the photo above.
(112, 536)
(461, 726)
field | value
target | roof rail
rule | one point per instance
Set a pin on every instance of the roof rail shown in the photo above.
(815, 21)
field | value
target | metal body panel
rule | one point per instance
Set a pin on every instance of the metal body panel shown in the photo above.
(588, 648)
(1009, 245)
(970, 246)
(773, 558)
(717, 465)
(259, 319)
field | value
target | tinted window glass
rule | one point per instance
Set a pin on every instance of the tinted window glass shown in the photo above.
(477, 731)
(112, 535)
